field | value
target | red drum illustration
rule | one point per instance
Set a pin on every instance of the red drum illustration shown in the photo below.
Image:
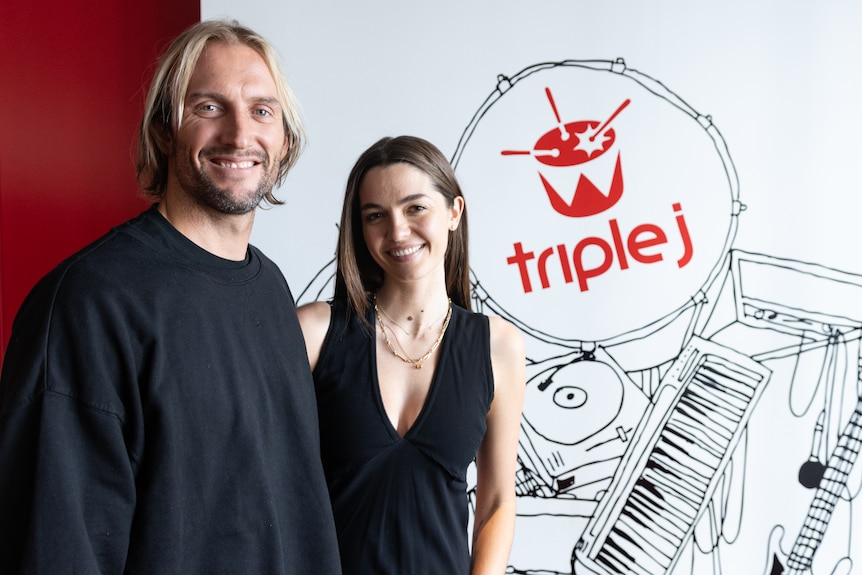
(602, 206)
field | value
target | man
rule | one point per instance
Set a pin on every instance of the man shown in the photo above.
(157, 412)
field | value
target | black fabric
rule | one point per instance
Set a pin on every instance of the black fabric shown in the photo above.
(400, 504)
(157, 416)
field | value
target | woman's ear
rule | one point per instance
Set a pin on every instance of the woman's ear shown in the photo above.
(457, 210)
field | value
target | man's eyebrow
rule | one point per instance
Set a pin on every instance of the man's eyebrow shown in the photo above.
(271, 100)
(213, 95)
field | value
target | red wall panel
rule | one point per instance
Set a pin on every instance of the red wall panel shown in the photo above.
(73, 76)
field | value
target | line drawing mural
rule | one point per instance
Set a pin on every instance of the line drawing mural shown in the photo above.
(832, 483)
(651, 340)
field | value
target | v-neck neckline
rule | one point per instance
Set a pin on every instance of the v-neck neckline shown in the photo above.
(416, 423)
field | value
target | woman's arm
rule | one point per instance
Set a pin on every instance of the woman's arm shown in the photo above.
(314, 321)
(496, 463)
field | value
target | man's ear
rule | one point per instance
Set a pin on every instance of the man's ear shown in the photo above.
(285, 148)
(165, 141)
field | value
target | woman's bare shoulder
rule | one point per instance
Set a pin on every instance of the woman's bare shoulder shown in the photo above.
(506, 339)
(314, 312)
(314, 321)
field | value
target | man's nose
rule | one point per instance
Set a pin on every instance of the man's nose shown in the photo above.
(236, 129)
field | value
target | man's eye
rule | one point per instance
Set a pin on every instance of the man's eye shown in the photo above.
(263, 113)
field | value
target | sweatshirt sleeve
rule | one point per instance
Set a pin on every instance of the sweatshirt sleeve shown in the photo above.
(67, 493)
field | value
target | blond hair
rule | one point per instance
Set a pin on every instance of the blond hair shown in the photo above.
(163, 110)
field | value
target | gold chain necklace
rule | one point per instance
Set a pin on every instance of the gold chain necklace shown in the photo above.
(418, 331)
(417, 363)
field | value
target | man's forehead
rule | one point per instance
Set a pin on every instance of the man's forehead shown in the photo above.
(222, 62)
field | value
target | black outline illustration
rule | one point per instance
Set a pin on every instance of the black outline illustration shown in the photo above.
(660, 476)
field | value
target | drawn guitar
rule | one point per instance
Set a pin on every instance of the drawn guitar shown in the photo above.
(833, 482)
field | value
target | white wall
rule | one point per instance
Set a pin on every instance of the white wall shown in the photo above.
(780, 80)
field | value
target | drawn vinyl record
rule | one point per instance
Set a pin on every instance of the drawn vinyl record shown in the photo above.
(578, 401)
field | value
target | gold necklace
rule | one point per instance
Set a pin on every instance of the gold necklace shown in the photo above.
(418, 331)
(416, 363)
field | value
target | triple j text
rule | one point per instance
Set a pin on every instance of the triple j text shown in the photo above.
(636, 246)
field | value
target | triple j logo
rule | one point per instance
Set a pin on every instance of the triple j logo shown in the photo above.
(600, 204)
(578, 143)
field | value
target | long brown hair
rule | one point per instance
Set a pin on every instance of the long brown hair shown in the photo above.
(358, 275)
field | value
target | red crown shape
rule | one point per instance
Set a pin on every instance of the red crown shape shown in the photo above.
(588, 200)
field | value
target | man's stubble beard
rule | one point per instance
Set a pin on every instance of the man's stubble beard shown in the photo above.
(198, 184)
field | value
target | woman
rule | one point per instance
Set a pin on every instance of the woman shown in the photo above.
(411, 385)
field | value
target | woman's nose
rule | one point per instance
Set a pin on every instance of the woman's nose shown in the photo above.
(398, 227)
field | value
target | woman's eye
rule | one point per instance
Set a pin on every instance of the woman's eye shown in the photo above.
(417, 209)
(372, 216)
